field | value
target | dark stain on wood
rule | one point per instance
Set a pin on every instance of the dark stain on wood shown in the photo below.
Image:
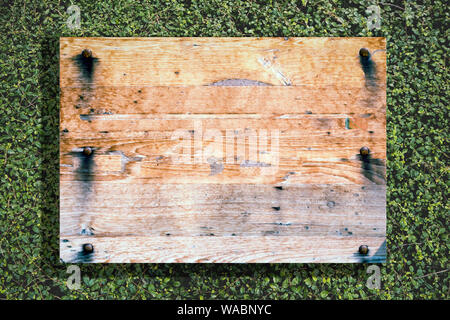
(86, 66)
(369, 68)
(85, 176)
(84, 257)
(371, 168)
(285, 224)
(271, 233)
(378, 257)
(86, 164)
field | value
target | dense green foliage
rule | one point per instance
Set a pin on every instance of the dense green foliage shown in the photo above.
(418, 149)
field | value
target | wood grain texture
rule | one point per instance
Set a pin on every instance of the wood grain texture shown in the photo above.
(204, 61)
(119, 209)
(223, 249)
(272, 128)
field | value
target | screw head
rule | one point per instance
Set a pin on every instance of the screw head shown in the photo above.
(364, 53)
(364, 151)
(363, 249)
(87, 151)
(86, 53)
(88, 248)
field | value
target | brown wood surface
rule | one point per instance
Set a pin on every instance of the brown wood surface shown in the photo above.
(268, 249)
(308, 196)
(204, 61)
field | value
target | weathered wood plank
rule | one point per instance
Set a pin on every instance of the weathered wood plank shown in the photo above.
(319, 147)
(204, 61)
(343, 171)
(267, 249)
(117, 223)
(119, 209)
(133, 123)
(322, 157)
(272, 129)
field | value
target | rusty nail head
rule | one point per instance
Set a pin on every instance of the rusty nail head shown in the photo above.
(363, 249)
(364, 151)
(86, 53)
(364, 53)
(88, 248)
(87, 151)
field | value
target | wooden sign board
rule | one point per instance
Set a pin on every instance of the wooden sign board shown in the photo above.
(223, 150)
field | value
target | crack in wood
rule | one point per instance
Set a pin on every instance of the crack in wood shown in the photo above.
(238, 83)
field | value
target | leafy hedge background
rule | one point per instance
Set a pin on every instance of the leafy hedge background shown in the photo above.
(417, 35)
